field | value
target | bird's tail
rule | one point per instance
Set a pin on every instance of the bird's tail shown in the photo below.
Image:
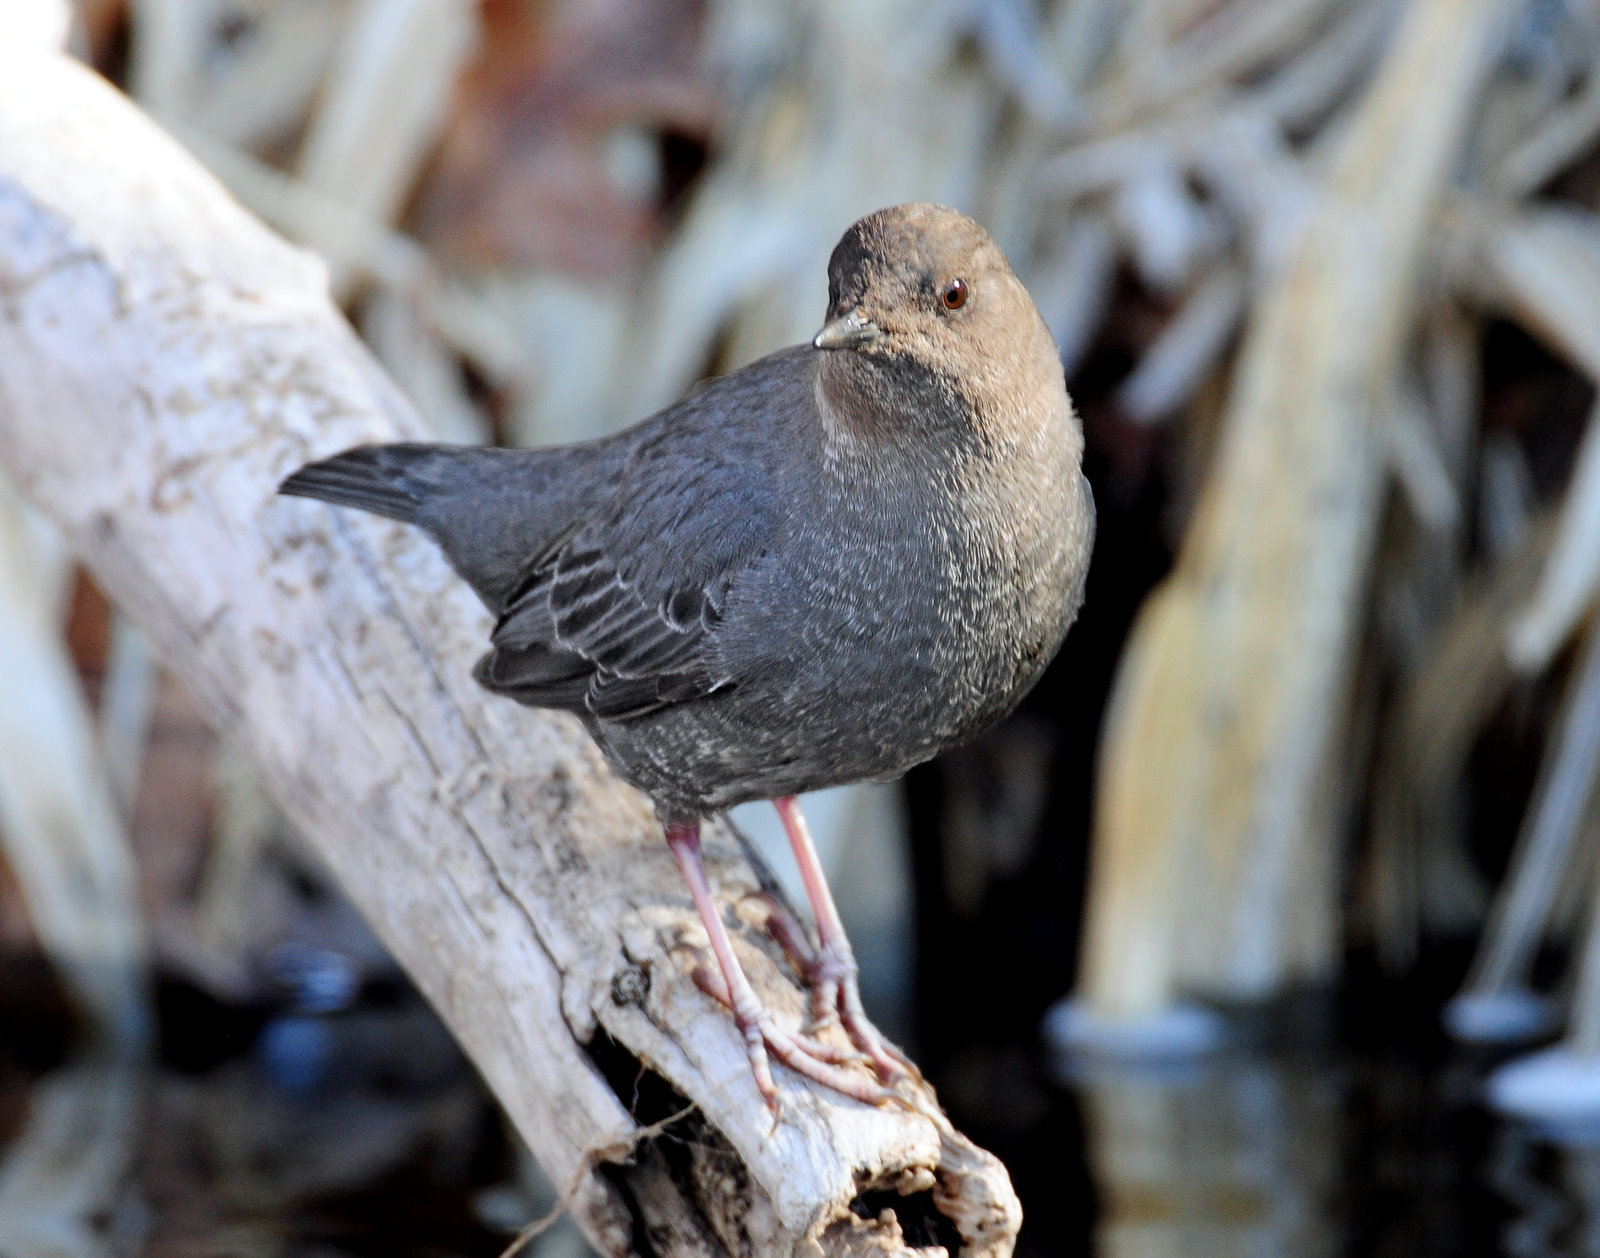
(490, 509)
(373, 478)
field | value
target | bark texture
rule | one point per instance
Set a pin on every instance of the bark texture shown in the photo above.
(164, 361)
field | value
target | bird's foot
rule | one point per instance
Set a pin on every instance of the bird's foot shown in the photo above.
(805, 1055)
(837, 976)
(836, 994)
(711, 983)
(801, 1053)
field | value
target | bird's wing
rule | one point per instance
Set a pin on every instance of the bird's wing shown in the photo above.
(619, 616)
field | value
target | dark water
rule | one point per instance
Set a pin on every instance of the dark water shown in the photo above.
(255, 1133)
(264, 1132)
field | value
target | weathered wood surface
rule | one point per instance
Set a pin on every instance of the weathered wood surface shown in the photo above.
(164, 361)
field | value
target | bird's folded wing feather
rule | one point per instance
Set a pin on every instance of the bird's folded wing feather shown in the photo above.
(619, 618)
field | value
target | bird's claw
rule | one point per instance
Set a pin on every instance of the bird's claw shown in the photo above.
(810, 1058)
(835, 995)
(710, 982)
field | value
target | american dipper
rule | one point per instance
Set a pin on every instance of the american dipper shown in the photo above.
(825, 567)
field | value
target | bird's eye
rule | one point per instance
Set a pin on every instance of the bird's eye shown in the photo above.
(954, 295)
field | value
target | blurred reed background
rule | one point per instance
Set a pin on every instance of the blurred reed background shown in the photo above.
(1312, 782)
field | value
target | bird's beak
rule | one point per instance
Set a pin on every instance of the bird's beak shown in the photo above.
(848, 331)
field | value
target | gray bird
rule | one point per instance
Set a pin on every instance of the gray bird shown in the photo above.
(825, 567)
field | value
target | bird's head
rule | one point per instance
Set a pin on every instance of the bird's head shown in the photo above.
(925, 286)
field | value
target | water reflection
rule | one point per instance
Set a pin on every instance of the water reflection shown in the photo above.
(1297, 1156)
(1515, 1172)
(377, 1139)
(1239, 1154)
(1551, 1179)
(65, 1190)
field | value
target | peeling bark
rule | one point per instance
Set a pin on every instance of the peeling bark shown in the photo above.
(164, 361)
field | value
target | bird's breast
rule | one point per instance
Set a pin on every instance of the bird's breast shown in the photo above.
(932, 613)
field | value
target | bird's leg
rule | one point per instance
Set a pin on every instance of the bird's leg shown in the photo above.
(789, 935)
(755, 1024)
(833, 975)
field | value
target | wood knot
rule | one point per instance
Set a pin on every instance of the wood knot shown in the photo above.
(630, 986)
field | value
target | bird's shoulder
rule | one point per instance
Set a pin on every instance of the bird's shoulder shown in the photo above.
(700, 488)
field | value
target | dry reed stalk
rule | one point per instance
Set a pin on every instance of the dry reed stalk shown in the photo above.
(59, 826)
(382, 108)
(1543, 857)
(1583, 1023)
(1561, 1084)
(1570, 581)
(1189, 347)
(1418, 875)
(1221, 742)
(126, 703)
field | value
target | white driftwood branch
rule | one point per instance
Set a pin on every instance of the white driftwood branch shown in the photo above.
(164, 361)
